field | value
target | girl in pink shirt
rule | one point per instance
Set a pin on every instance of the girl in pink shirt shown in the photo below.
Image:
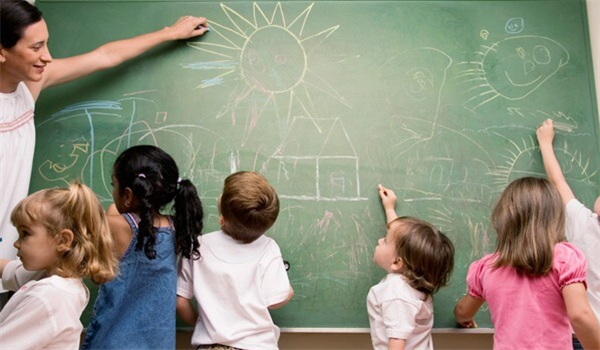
(534, 283)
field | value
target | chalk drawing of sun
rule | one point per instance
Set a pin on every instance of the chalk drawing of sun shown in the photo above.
(522, 159)
(266, 54)
(511, 69)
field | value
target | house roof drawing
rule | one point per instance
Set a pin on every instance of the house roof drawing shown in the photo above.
(316, 137)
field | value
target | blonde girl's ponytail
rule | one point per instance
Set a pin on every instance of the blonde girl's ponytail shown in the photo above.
(77, 209)
(92, 253)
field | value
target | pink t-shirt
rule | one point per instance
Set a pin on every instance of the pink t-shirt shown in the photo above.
(528, 312)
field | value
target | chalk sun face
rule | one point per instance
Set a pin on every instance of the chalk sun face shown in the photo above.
(269, 68)
(512, 69)
(268, 57)
(517, 66)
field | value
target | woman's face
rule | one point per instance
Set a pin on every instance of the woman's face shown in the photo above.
(27, 60)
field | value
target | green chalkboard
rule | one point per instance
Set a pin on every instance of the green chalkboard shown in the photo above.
(438, 100)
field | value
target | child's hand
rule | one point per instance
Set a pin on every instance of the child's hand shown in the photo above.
(468, 324)
(388, 197)
(545, 133)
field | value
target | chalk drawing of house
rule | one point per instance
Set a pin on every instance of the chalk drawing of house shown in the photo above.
(317, 161)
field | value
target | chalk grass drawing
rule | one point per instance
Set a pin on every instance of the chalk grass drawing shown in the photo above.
(317, 161)
(269, 58)
(331, 246)
(511, 69)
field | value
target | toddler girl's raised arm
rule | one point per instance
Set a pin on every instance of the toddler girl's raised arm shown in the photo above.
(388, 200)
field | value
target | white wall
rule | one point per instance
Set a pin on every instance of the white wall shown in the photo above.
(593, 19)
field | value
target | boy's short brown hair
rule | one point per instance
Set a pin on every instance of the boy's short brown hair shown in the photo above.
(249, 206)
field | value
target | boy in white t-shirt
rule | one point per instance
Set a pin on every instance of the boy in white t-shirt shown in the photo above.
(583, 226)
(240, 274)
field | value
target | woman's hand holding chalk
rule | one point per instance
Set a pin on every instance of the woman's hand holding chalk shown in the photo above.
(200, 26)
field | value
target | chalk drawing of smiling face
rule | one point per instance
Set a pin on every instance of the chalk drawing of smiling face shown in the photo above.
(515, 67)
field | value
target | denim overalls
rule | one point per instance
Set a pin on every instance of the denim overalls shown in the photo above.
(136, 310)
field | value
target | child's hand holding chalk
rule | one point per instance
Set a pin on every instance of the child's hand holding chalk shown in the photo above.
(545, 133)
(388, 197)
(388, 200)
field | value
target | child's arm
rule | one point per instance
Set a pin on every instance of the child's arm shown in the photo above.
(186, 311)
(582, 318)
(120, 230)
(545, 136)
(14, 275)
(465, 310)
(280, 304)
(396, 344)
(388, 200)
(3, 263)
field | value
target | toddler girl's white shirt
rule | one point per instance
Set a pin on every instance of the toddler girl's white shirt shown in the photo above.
(44, 315)
(397, 310)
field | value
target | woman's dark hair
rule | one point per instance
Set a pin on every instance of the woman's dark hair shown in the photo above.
(153, 177)
(15, 17)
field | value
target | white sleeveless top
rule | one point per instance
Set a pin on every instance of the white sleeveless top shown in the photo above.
(17, 143)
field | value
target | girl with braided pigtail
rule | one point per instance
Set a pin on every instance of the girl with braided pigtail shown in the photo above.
(137, 309)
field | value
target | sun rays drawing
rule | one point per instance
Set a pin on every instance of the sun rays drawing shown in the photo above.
(268, 58)
(522, 160)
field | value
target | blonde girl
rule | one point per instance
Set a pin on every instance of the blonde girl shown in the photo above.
(64, 232)
(534, 283)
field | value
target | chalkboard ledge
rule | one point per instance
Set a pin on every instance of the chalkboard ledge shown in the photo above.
(366, 330)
